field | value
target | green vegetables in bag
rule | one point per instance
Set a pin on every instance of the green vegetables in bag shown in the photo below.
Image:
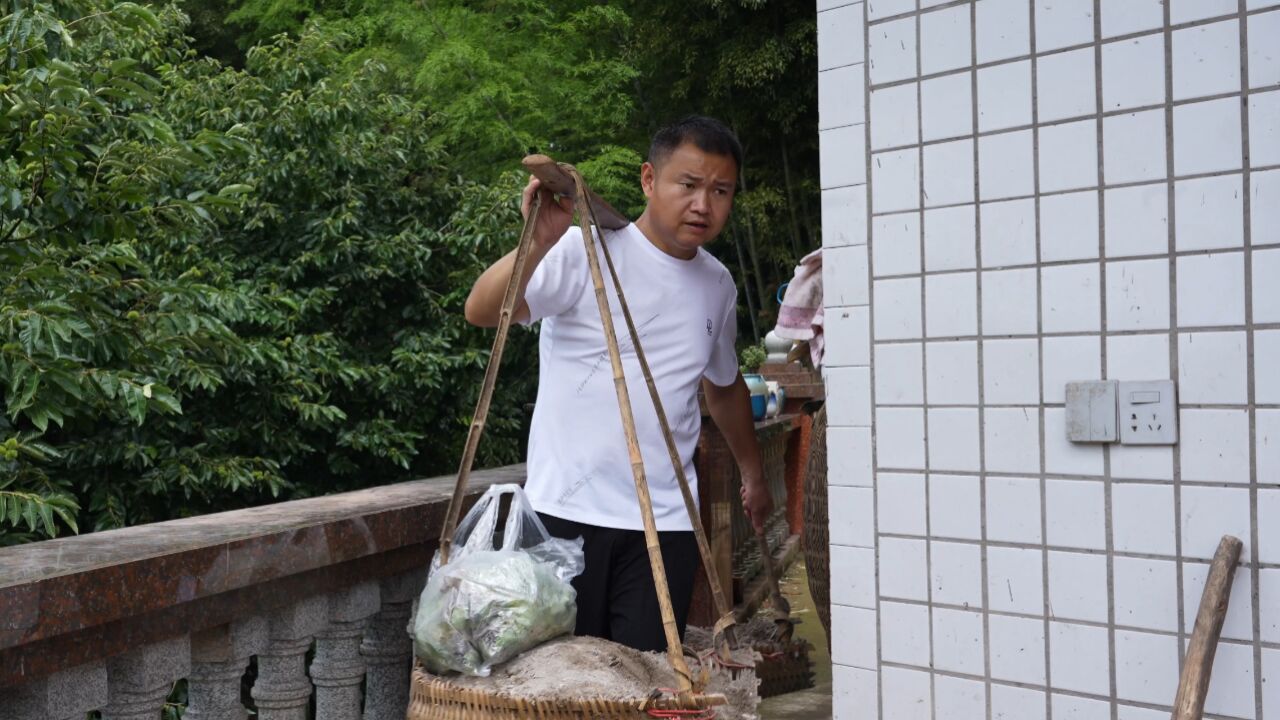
(488, 607)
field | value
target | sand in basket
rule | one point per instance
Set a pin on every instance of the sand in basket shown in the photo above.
(586, 667)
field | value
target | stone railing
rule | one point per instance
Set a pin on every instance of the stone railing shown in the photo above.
(112, 620)
(234, 603)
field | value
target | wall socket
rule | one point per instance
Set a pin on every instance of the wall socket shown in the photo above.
(1148, 412)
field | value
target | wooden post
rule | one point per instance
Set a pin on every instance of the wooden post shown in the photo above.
(1193, 686)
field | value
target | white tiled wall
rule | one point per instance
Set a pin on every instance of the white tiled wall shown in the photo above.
(1017, 194)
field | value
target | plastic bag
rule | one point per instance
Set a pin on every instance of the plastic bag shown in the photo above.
(489, 605)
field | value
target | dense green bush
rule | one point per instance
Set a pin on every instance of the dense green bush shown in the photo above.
(232, 268)
(224, 286)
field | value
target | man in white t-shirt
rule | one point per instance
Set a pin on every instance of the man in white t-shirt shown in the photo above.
(684, 304)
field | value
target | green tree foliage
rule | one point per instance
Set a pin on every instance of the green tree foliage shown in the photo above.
(589, 83)
(752, 63)
(233, 267)
(223, 286)
(501, 78)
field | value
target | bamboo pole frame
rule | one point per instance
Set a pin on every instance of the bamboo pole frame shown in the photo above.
(723, 610)
(555, 176)
(490, 380)
(675, 653)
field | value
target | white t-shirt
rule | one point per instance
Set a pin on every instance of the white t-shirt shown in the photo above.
(685, 315)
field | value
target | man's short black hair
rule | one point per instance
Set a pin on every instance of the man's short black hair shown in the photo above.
(706, 133)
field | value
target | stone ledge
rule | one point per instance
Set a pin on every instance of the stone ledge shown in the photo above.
(79, 599)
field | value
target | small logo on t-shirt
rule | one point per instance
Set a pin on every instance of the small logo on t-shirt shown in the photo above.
(708, 326)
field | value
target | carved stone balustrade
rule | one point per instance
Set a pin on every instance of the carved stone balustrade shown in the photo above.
(287, 610)
(112, 620)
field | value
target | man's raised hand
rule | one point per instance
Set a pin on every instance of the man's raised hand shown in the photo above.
(554, 217)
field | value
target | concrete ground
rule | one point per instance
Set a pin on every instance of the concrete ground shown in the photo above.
(813, 703)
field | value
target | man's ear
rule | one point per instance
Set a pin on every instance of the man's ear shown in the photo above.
(648, 174)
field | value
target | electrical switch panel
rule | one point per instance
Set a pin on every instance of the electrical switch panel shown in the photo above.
(1091, 411)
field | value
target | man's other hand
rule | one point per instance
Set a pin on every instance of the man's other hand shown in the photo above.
(554, 216)
(757, 502)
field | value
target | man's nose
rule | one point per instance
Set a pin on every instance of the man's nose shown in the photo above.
(701, 203)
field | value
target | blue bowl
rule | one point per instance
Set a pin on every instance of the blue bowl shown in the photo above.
(759, 403)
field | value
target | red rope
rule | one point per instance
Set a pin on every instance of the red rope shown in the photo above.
(707, 714)
(711, 655)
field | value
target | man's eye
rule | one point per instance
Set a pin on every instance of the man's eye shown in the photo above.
(687, 185)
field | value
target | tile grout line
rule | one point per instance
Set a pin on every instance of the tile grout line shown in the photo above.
(1171, 222)
(1255, 572)
(871, 367)
(845, 126)
(1128, 185)
(1076, 46)
(1200, 560)
(1107, 483)
(1068, 120)
(1039, 335)
(1057, 405)
(1123, 37)
(1211, 252)
(844, 5)
(983, 571)
(1142, 704)
(1163, 179)
(918, 149)
(1073, 477)
(1197, 564)
(839, 67)
(1115, 333)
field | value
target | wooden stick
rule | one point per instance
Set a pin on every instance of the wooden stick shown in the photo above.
(1193, 686)
(555, 179)
(781, 607)
(723, 609)
(490, 380)
(684, 682)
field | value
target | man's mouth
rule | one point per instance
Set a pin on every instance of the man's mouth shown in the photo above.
(697, 226)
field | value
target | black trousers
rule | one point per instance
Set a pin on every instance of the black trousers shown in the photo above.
(616, 596)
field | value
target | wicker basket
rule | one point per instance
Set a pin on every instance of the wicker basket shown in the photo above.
(817, 548)
(784, 667)
(435, 698)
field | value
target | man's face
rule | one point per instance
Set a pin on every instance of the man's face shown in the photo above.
(690, 195)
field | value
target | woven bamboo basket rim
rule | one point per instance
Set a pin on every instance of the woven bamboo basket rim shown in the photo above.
(817, 551)
(433, 690)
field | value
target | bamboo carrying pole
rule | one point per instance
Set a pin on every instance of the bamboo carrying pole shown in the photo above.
(490, 380)
(723, 610)
(684, 682)
(1193, 686)
(557, 179)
